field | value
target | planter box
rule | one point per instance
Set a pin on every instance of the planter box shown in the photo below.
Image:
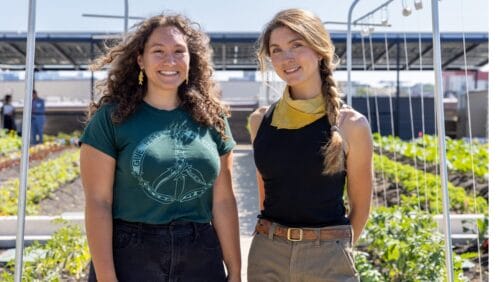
(462, 226)
(36, 227)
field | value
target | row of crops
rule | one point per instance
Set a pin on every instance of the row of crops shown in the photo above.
(400, 242)
(56, 164)
(53, 164)
(462, 156)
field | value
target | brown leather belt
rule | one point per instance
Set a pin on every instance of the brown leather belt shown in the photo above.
(302, 234)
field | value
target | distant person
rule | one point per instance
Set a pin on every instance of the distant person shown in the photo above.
(8, 113)
(37, 119)
(156, 162)
(308, 149)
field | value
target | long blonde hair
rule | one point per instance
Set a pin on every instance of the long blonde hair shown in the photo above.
(311, 29)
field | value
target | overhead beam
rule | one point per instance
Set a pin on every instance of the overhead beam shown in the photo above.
(414, 59)
(16, 49)
(12, 42)
(379, 57)
(63, 54)
(460, 54)
(20, 51)
(483, 63)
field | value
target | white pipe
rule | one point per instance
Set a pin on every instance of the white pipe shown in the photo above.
(125, 22)
(372, 11)
(349, 52)
(28, 95)
(438, 93)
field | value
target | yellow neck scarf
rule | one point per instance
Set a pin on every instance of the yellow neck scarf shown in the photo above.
(294, 114)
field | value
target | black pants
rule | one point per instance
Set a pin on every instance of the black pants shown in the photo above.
(9, 123)
(179, 251)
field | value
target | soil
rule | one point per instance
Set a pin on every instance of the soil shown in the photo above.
(70, 198)
(459, 179)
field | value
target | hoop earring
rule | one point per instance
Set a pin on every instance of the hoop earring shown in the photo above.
(141, 77)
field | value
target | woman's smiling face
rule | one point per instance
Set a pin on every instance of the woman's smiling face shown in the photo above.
(165, 60)
(293, 59)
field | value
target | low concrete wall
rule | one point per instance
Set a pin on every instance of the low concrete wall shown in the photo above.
(59, 119)
(69, 119)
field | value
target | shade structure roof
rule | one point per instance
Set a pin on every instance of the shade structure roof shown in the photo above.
(236, 51)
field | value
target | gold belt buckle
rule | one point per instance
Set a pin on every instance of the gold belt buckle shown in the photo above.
(289, 233)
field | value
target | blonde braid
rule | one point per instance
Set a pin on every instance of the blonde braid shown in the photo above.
(333, 151)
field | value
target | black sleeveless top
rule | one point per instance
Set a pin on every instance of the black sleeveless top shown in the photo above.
(290, 161)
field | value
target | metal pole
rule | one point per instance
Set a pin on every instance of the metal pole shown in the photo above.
(373, 11)
(360, 24)
(438, 93)
(398, 88)
(92, 57)
(111, 16)
(125, 27)
(28, 94)
(349, 53)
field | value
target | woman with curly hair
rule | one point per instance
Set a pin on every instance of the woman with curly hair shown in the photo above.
(156, 162)
(307, 148)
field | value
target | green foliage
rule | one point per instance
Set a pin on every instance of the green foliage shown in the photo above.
(65, 255)
(483, 226)
(415, 194)
(458, 152)
(367, 272)
(404, 243)
(9, 142)
(469, 256)
(64, 138)
(42, 181)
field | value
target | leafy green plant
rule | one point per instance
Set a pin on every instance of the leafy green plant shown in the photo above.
(414, 194)
(458, 152)
(65, 255)
(366, 269)
(42, 181)
(404, 244)
(9, 142)
(469, 256)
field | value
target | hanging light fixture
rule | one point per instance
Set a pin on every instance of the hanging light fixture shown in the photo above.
(418, 4)
(406, 8)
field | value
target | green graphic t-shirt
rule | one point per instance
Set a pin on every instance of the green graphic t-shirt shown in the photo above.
(166, 163)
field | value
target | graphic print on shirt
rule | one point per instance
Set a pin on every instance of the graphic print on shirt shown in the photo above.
(178, 183)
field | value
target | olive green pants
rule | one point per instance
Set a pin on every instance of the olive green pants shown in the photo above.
(274, 259)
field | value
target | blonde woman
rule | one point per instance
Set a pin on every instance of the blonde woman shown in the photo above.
(307, 148)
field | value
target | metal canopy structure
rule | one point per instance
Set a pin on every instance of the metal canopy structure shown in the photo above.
(236, 51)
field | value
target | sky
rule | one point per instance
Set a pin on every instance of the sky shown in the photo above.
(236, 15)
(245, 16)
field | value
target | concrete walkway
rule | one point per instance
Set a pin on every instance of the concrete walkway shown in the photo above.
(247, 196)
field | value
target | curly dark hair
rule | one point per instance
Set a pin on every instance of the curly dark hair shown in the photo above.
(200, 98)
